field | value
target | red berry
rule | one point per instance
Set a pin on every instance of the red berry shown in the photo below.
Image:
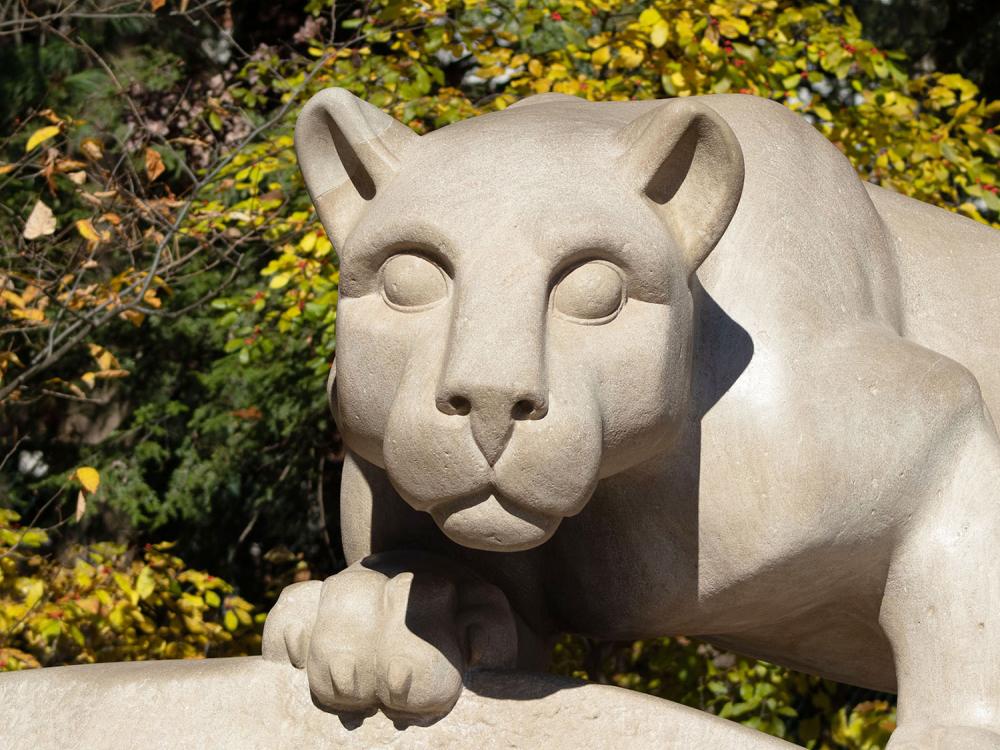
(556, 16)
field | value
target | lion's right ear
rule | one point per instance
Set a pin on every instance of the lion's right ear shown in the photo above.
(347, 150)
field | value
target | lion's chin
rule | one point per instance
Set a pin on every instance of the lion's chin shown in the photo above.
(494, 524)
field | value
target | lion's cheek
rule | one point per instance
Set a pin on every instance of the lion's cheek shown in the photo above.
(430, 457)
(375, 359)
(551, 466)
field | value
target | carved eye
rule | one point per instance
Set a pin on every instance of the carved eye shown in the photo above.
(412, 281)
(591, 293)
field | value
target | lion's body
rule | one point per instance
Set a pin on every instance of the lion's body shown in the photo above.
(950, 285)
(824, 490)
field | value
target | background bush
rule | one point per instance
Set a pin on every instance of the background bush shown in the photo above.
(168, 299)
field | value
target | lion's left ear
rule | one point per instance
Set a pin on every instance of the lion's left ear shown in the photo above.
(347, 150)
(686, 160)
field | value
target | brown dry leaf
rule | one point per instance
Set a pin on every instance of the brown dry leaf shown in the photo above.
(157, 4)
(251, 412)
(51, 116)
(5, 168)
(81, 505)
(154, 164)
(41, 222)
(92, 148)
(69, 165)
(133, 317)
(77, 178)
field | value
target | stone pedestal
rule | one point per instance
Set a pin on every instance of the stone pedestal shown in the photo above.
(247, 703)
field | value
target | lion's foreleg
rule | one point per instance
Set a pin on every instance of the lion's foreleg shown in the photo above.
(941, 607)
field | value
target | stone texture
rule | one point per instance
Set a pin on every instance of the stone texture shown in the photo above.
(652, 368)
(247, 703)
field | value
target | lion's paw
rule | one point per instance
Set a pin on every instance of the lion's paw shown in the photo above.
(944, 738)
(399, 639)
(289, 624)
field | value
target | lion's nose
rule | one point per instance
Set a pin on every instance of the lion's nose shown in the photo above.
(492, 415)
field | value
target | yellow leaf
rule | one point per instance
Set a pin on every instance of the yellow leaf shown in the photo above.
(33, 592)
(193, 624)
(88, 477)
(823, 112)
(323, 247)
(230, 620)
(308, 242)
(33, 314)
(154, 162)
(601, 56)
(41, 222)
(145, 583)
(658, 36)
(155, 5)
(535, 68)
(105, 359)
(40, 136)
(13, 297)
(630, 57)
(87, 231)
(280, 280)
(733, 28)
(650, 17)
(88, 378)
(5, 168)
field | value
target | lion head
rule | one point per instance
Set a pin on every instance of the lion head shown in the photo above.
(515, 318)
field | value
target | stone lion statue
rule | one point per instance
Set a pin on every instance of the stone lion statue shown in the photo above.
(642, 368)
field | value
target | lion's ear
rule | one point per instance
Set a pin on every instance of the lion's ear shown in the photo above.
(686, 160)
(347, 150)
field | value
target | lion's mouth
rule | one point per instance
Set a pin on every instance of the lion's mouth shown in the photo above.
(490, 521)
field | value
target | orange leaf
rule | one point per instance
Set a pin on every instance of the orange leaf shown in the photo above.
(154, 162)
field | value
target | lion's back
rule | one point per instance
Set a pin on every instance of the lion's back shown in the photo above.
(949, 269)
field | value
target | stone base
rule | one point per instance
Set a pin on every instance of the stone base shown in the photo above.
(247, 703)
